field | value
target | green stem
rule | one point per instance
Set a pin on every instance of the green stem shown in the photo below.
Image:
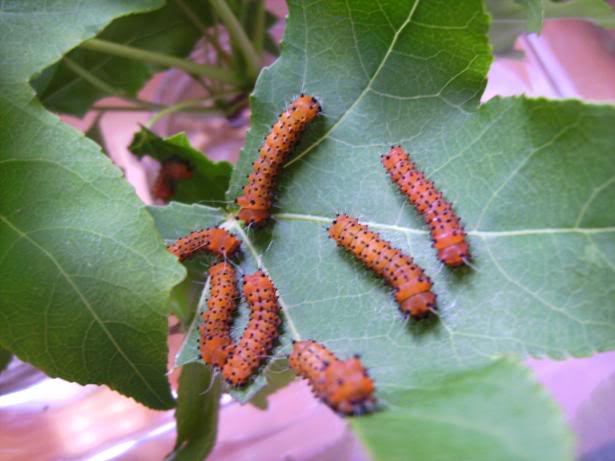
(259, 27)
(105, 87)
(196, 21)
(242, 11)
(179, 107)
(113, 108)
(200, 83)
(200, 26)
(92, 79)
(136, 54)
(116, 108)
(237, 34)
(189, 105)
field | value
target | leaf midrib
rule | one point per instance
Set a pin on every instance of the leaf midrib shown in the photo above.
(477, 233)
(233, 224)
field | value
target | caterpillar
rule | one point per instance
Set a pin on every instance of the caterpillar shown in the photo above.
(344, 385)
(447, 233)
(213, 239)
(215, 342)
(171, 172)
(412, 287)
(260, 333)
(256, 201)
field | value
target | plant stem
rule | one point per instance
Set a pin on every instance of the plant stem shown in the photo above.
(200, 83)
(104, 86)
(200, 26)
(112, 108)
(259, 27)
(116, 108)
(180, 106)
(92, 79)
(196, 21)
(237, 34)
(137, 54)
(189, 105)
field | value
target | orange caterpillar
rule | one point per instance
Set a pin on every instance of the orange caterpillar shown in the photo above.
(412, 286)
(171, 172)
(215, 342)
(447, 233)
(213, 239)
(256, 201)
(260, 333)
(344, 385)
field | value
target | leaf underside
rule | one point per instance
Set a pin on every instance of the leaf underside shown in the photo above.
(164, 30)
(84, 277)
(532, 179)
(497, 413)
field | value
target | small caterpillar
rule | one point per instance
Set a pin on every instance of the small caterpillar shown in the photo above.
(412, 286)
(260, 333)
(344, 385)
(447, 233)
(256, 201)
(213, 239)
(171, 172)
(215, 342)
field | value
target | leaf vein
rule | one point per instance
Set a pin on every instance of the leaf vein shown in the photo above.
(363, 93)
(86, 304)
(233, 224)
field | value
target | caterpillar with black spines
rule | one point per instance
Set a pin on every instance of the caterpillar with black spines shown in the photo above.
(214, 240)
(215, 342)
(260, 334)
(257, 198)
(412, 286)
(447, 233)
(344, 385)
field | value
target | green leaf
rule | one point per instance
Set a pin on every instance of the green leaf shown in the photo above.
(531, 179)
(196, 414)
(278, 375)
(167, 30)
(510, 18)
(209, 180)
(177, 219)
(5, 358)
(496, 413)
(185, 296)
(83, 274)
(535, 14)
(173, 221)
